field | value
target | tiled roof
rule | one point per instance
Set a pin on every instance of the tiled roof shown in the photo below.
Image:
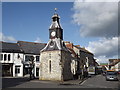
(72, 52)
(83, 49)
(10, 47)
(31, 47)
(115, 62)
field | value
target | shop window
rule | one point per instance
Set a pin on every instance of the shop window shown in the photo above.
(1, 56)
(8, 57)
(5, 57)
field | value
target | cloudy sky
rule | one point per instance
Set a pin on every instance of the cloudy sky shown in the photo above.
(99, 20)
(91, 24)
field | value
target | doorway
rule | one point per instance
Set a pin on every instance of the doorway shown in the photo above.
(37, 72)
(17, 71)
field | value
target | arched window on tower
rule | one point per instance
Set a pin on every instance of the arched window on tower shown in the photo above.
(50, 66)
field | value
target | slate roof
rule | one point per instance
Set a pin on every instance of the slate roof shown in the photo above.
(31, 47)
(83, 49)
(10, 47)
(58, 45)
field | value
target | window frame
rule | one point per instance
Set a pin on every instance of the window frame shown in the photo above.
(37, 58)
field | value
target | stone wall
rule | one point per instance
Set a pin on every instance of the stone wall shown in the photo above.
(66, 59)
(60, 68)
(45, 59)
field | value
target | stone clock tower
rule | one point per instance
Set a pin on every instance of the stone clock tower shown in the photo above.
(55, 61)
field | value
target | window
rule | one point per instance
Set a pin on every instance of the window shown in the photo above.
(5, 57)
(1, 56)
(50, 66)
(17, 69)
(27, 58)
(37, 58)
(8, 57)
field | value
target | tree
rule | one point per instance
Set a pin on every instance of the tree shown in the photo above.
(32, 64)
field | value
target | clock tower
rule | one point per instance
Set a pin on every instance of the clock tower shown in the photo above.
(55, 29)
(55, 61)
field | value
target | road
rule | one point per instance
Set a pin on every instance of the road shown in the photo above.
(97, 81)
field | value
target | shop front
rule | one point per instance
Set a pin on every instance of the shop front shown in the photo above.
(7, 69)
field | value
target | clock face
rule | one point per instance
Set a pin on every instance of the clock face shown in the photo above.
(53, 33)
(51, 44)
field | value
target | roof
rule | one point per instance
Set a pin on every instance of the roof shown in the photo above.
(116, 61)
(10, 47)
(55, 44)
(31, 47)
(83, 49)
(72, 52)
(55, 22)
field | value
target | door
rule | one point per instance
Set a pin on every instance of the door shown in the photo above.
(17, 71)
(37, 72)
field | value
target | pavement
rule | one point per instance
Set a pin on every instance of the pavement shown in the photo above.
(69, 82)
(25, 82)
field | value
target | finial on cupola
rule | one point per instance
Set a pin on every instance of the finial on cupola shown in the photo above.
(55, 10)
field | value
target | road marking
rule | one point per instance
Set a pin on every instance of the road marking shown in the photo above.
(83, 82)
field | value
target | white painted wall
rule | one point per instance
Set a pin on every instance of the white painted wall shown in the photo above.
(16, 62)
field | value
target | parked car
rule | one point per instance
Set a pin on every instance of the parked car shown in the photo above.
(119, 72)
(112, 75)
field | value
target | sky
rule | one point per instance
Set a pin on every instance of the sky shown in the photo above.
(93, 25)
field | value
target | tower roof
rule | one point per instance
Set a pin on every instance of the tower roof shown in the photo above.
(55, 21)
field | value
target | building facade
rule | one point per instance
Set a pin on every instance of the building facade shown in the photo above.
(11, 63)
(15, 58)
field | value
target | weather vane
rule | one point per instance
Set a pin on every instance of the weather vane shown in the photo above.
(55, 10)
